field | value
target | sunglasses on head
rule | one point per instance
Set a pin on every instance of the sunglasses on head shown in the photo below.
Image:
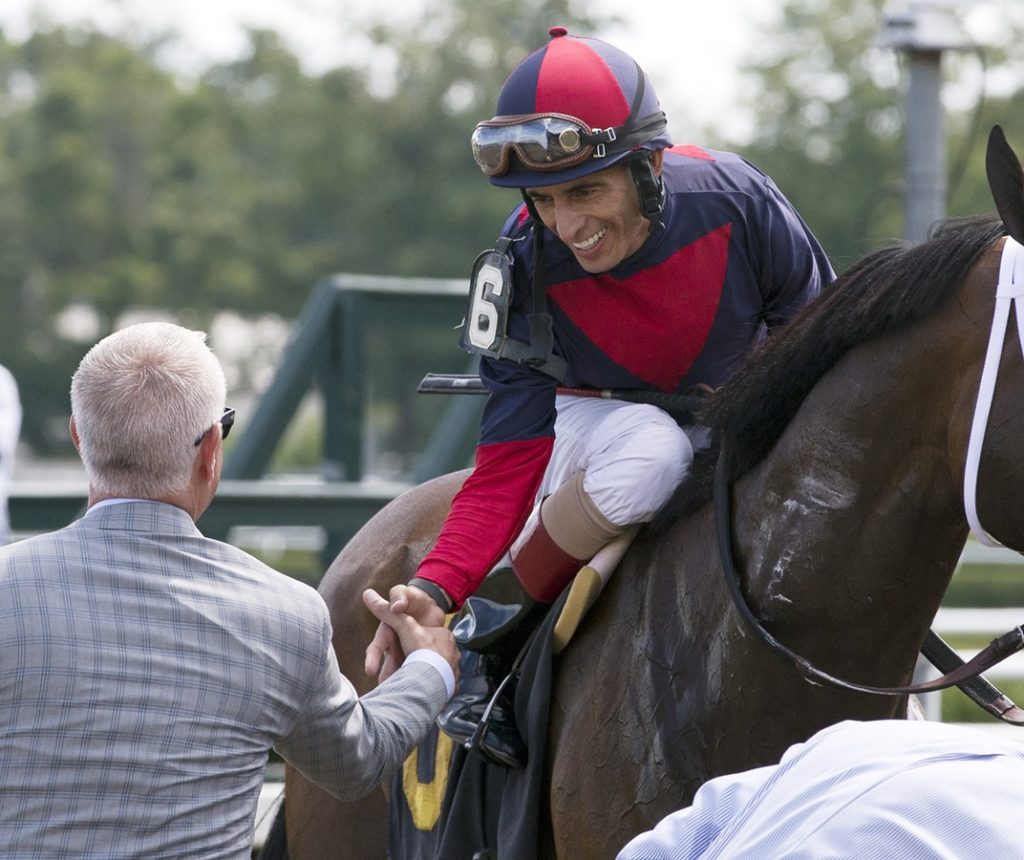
(226, 421)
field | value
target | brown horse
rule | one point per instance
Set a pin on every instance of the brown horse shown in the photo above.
(849, 521)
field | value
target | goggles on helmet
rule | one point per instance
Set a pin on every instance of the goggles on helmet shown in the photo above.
(551, 141)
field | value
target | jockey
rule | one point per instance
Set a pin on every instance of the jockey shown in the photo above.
(629, 264)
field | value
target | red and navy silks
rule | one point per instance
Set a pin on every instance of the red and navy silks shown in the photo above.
(733, 260)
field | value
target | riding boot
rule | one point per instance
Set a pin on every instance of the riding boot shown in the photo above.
(492, 628)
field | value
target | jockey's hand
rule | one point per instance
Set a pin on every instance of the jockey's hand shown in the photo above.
(387, 650)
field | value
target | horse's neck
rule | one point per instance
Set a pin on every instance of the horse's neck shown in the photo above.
(856, 508)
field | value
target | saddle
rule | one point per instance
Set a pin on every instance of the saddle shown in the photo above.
(453, 803)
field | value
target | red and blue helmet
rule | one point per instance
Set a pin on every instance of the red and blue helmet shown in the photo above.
(573, 107)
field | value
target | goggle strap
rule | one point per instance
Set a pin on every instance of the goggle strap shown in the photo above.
(625, 136)
(599, 137)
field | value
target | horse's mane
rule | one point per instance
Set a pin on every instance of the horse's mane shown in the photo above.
(883, 292)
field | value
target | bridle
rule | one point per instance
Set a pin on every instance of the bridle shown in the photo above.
(966, 675)
(1009, 294)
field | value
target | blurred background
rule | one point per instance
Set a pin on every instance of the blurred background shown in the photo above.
(212, 162)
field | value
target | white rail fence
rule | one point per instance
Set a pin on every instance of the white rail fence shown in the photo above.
(986, 624)
(266, 808)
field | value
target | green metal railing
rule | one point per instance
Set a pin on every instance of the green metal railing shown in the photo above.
(339, 508)
(329, 350)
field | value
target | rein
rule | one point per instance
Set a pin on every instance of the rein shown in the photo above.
(996, 651)
(967, 676)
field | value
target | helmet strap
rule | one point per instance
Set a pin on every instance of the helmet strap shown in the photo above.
(538, 296)
(649, 187)
(530, 207)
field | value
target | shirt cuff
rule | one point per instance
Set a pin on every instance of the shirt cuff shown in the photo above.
(425, 655)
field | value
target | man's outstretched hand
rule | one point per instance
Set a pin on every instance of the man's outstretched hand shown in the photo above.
(409, 619)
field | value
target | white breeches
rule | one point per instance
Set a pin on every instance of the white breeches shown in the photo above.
(633, 456)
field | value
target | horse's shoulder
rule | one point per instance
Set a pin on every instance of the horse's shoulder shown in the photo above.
(389, 547)
(425, 499)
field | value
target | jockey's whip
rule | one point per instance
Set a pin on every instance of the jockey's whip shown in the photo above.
(470, 383)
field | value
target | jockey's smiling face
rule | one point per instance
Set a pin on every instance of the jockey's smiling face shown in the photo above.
(597, 216)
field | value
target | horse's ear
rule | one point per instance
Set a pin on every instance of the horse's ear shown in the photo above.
(1006, 180)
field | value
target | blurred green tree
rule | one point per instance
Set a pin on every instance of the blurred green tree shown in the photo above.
(125, 187)
(828, 108)
(80, 120)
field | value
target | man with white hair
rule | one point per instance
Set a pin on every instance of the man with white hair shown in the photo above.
(145, 670)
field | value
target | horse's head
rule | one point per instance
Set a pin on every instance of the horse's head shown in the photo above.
(989, 419)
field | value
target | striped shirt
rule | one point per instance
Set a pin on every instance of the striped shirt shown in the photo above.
(887, 789)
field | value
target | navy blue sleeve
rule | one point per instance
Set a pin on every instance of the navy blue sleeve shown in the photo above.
(795, 268)
(521, 404)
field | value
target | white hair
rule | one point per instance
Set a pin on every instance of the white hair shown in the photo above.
(140, 398)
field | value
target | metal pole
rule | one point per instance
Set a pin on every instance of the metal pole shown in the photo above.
(922, 30)
(925, 145)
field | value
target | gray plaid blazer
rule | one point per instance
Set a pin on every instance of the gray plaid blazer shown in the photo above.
(145, 673)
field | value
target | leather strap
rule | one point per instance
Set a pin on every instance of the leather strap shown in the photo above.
(989, 697)
(997, 650)
(1009, 296)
